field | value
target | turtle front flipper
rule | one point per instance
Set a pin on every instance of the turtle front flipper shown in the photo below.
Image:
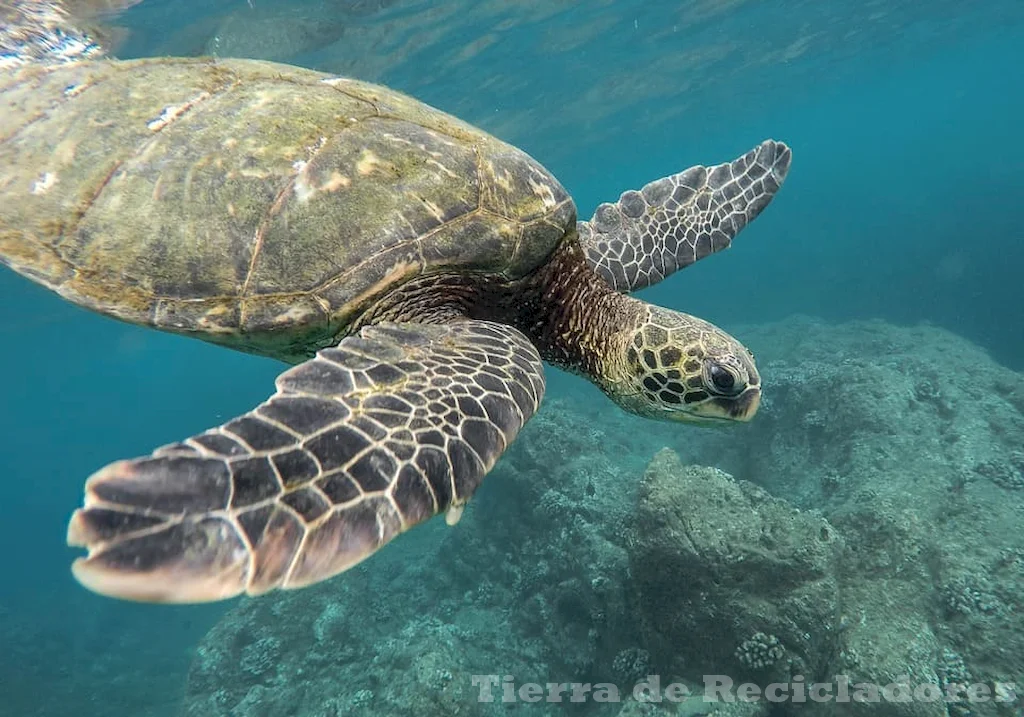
(677, 220)
(358, 444)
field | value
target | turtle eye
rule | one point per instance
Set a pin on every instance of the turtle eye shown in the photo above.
(723, 380)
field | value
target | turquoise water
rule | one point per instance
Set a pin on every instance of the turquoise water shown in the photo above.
(902, 205)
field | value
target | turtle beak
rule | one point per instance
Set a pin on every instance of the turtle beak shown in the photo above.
(738, 408)
(722, 411)
(746, 404)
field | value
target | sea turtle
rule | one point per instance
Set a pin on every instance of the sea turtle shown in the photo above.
(414, 269)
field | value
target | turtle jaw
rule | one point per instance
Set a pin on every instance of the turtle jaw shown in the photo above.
(745, 407)
(720, 410)
(716, 411)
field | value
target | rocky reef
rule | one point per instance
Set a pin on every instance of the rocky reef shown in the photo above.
(908, 441)
(865, 525)
(726, 575)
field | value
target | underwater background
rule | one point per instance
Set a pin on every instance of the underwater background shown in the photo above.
(883, 292)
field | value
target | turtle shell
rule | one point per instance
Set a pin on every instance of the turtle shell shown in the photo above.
(251, 203)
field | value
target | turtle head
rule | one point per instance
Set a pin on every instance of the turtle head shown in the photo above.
(677, 367)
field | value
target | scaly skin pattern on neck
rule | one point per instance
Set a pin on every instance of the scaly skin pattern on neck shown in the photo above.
(576, 321)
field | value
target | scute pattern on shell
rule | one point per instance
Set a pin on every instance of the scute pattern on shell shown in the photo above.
(250, 202)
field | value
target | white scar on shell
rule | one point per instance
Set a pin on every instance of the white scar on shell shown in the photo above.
(544, 191)
(173, 112)
(303, 188)
(44, 183)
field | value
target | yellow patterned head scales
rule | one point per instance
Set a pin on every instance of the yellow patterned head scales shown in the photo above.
(681, 368)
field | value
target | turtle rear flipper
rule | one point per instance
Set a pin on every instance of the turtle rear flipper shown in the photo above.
(677, 220)
(359, 444)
